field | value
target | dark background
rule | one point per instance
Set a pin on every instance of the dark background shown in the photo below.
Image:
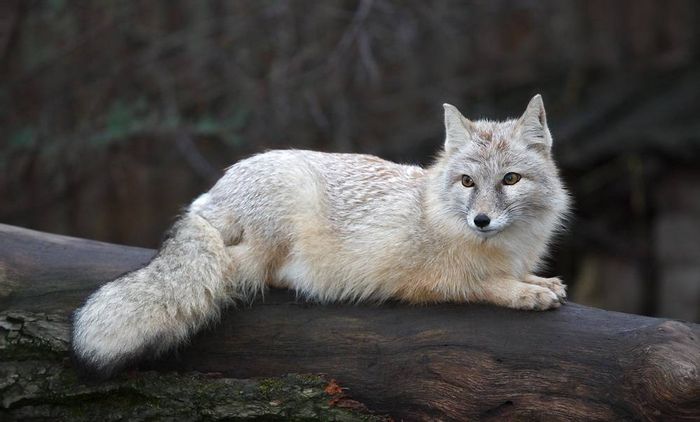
(114, 115)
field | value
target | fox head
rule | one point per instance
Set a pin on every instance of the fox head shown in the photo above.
(497, 177)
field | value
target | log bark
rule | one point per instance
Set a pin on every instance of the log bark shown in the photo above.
(448, 362)
(37, 383)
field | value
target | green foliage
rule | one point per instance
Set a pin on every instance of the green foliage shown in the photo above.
(122, 120)
(228, 129)
(24, 138)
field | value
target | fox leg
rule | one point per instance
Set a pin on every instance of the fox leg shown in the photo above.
(554, 284)
(253, 270)
(512, 293)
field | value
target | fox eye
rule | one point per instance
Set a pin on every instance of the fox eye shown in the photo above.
(511, 178)
(467, 181)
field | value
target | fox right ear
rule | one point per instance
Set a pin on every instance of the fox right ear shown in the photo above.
(457, 128)
(532, 127)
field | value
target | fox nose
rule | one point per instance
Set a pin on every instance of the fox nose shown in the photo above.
(482, 220)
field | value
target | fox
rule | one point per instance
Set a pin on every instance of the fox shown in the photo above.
(473, 227)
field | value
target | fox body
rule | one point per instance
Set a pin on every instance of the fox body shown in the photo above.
(346, 227)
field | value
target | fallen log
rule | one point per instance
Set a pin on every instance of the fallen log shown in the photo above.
(447, 361)
(36, 384)
(42, 277)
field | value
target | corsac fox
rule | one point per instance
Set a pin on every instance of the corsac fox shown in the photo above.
(473, 227)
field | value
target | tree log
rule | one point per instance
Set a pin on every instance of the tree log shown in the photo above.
(37, 384)
(42, 273)
(448, 362)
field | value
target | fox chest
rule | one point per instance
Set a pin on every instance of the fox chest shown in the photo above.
(458, 265)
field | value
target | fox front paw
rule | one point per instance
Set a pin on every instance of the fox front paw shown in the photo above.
(554, 284)
(537, 298)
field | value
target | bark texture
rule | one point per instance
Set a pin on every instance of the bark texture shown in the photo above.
(449, 362)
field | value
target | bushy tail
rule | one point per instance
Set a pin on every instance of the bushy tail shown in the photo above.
(153, 309)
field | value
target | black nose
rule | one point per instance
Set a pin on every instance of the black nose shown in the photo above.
(482, 220)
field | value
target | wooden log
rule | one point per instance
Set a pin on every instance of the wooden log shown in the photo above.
(449, 362)
(36, 384)
(43, 277)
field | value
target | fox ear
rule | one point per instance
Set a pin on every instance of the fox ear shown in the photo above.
(458, 128)
(532, 127)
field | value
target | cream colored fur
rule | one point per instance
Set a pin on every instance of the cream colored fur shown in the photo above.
(346, 227)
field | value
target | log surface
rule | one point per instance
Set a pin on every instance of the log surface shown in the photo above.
(37, 384)
(446, 362)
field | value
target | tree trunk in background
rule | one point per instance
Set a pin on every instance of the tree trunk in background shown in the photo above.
(434, 362)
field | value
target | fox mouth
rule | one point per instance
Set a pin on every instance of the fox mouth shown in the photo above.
(486, 232)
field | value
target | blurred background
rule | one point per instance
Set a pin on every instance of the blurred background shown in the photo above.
(114, 115)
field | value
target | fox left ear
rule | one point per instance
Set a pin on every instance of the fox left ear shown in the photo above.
(458, 129)
(532, 127)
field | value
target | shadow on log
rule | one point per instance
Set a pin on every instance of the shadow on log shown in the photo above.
(435, 362)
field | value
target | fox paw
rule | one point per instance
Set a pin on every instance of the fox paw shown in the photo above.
(554, 284)
(537, 298)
